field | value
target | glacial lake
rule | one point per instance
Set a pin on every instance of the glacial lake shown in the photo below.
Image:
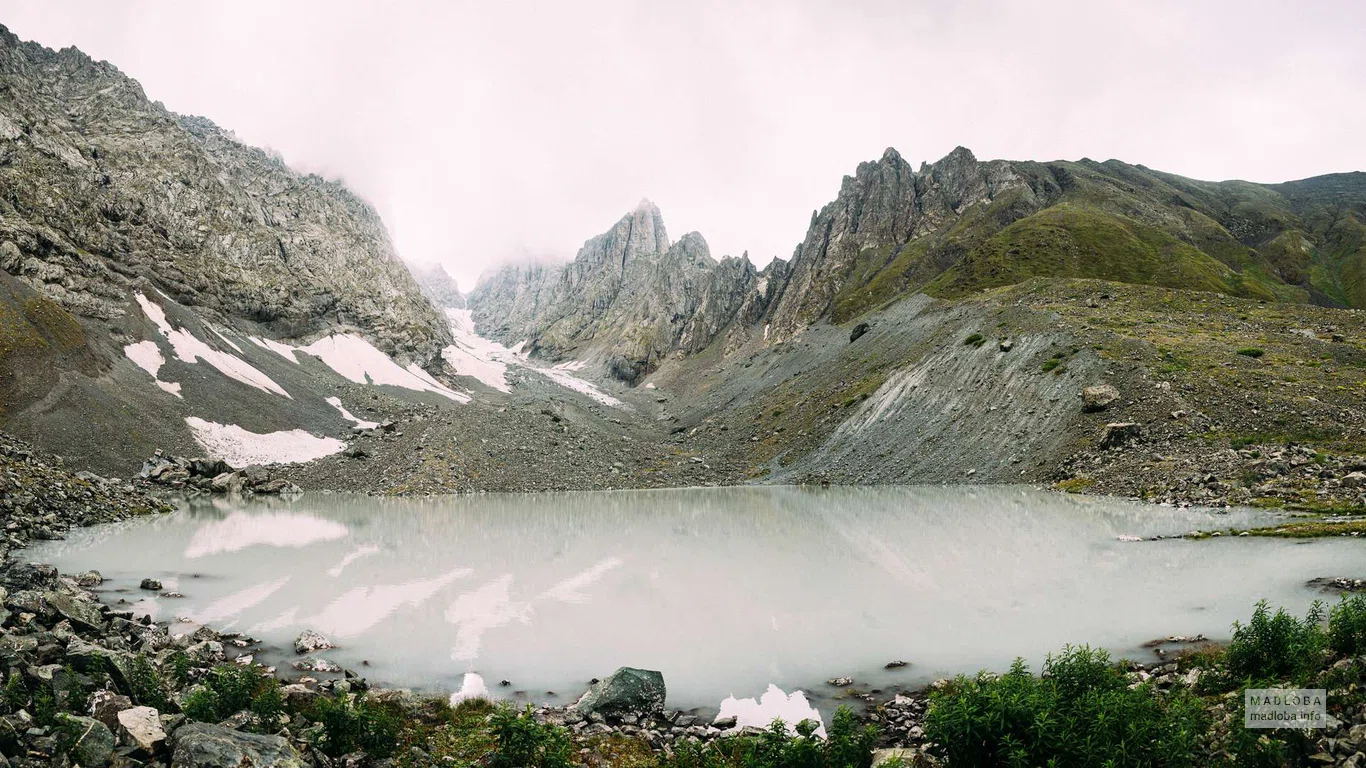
(726, 591)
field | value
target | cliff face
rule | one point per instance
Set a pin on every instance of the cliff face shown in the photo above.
(438, 286)
(629, 298)
(105, 191)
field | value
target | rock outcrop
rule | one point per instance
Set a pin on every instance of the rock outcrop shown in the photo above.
(106, 191)
(630, 298)
(438, 286)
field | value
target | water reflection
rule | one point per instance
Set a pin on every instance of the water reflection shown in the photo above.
(724, 590)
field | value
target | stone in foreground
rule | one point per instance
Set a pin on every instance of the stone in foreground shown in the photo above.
(311, 641)
(200, 745)
(92, 743)
(141, 728)
(1098, 398)
(628, 691)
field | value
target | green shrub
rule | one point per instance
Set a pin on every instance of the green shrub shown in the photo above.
(525, 743)
(16, 693)
(847, 745)
(1347, 626)
(975, 340)
(180, 664)
(1276, 646)
(1079, 712)
(44, 707)
(351, 724)
(1252, 352)
(145, 684)
(232, 688)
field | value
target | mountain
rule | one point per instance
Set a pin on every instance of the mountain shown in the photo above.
(950, 229)
(439, 287)
(105, 190)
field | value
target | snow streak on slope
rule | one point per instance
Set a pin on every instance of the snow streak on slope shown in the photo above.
(358, 360)
(147, 356)
(479, 358)
(240, 448)
(336, 402)
(190, 349)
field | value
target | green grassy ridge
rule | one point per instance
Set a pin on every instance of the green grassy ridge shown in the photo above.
(1300, 242)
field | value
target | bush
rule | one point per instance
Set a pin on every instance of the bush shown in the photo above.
(145, 683)
(1347, 626)
(351, 724)
(1252, 352)
(1079, 712)
(16, 693)
(525, 743)
(1276, 647)
(231, 688)
(847, 745)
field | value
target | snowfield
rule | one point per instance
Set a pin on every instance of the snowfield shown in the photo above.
(240, 448)
(189, 349)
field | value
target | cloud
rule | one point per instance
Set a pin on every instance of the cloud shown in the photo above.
(492, 131)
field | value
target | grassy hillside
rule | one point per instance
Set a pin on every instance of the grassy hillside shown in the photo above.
(1302, 241)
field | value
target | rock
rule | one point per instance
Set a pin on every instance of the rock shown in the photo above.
(1098, 397)
(92, 741)
(227, 482)
(150, 584)
(355, 452)
(22, 576)
(311, 641)
(200, 745)
(95, 660)
(724, 723)
(141, 727)
(316, 664)
(1006, 345)
(640, 692)
(105, 706)
(895, 756)
(275, 487)
(858, 331)
(82, 613)
(88, 579)
(840, 682)
(898, 664)
(1117, 434)
(1354, 480)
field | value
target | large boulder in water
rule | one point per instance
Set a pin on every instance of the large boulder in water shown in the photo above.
(628, 691)
(200, 745)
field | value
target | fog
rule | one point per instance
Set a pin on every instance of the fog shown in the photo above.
(489, 132)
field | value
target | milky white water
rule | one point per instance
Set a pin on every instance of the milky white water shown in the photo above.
(723, 590)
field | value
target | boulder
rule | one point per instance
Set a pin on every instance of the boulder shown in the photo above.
(1098, 397)
(92, 743)
(150, 584)
(311, 641)
(105, 706)
(1354, 480)
(1117, 434)
(89, 579)
(209, 467)
(21, 576)
(276, 486)
(316, 664)
(97, 661)
(894, 756)
(200, 745)
(628, 691)
(227, 482)
(82, 613)
(858, 331)
(140, 727)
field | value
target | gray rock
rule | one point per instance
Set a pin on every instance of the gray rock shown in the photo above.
(153, 585)
(1098, 397)
(92, 741)
(1117, 434)
(200, 745)
(89, 579)
(83, 613)
(628, 691)
(316, 664)
(311, 641)
(857, 332)
(105, 706)
(140, 727)
(1354, 480)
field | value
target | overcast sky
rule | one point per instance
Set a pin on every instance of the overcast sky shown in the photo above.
(493, 131)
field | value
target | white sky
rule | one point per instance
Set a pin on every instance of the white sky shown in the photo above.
(493, 131)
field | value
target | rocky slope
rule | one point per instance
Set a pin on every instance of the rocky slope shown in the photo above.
(106, 190)
(439, 287)
(955, 227)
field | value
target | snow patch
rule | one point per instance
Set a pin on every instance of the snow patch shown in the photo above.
(560, 374)
(336, 402)
(356, 359)
(283, 350)
(774, 704)
(474, 356)
(147, 356)
(240, 448)
(190, 349)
